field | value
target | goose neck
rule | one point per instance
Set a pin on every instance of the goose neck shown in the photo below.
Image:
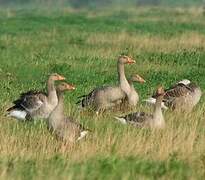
(50, 85)
(60, 100)
(58, 113)
(122, 78)
(52, 96)
(158, 116)
(121, 72)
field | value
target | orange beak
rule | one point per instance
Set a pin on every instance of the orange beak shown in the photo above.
(141, 80)
(70, 87)
(138, 78)
(60, 78)
(130, 61)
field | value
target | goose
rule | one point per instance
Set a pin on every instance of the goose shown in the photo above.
(133, 96)
(182, 96)
(107, 96)
(65, 128)
(142, 119)
(36, 104)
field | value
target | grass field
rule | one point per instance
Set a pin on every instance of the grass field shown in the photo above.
(167, 44)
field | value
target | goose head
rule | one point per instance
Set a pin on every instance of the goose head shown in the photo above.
(56, 77)
(65, 87)
(125, 60)
(137, 78)
(160, 92)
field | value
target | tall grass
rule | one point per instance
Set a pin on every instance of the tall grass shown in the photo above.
(84, 46)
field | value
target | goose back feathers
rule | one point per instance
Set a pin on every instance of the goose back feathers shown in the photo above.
(142, 119)
(108, 96)
(183, 96)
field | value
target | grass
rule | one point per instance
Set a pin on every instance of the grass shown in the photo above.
(168, 45)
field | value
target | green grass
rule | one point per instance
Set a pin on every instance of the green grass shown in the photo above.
(110, 168)
(168, 45)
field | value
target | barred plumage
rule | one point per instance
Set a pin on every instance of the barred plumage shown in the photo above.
(142, 119)
(182, 96)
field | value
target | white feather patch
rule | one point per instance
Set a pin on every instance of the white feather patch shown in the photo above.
(153, 101)
(122, 120)
(82, 135)
(150, 100)
(184, 81)
(21, 115)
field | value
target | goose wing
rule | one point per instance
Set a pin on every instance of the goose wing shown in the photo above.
(31, 100)
(137, 119)
(81, 131)
(178, 90)
(86, 99)
(182, 89)
(112, 93)
(89, 98)
(71, 130)
(71, 121)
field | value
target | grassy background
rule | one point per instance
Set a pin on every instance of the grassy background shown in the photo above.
(98, 3)
(168, 45)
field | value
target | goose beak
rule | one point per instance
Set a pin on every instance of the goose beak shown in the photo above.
(60, 78)
(141, 80)
(70, 87)
(130, 61)
(138, 78)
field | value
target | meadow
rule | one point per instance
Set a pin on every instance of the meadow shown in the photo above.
(168, 45)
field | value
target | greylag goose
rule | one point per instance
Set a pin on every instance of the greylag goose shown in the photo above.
(142, 119)
(182, 96)
(107, 96)
(65, 128)
(36, 104)
(133, 96)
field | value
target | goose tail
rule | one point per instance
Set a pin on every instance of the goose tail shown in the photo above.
(83, 134)
(15, 113)
(121, 119)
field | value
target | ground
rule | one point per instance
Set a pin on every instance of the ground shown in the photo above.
(168, 45)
